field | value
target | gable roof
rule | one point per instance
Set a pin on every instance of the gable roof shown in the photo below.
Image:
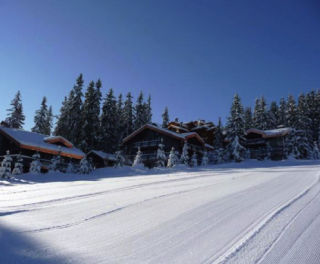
(39, 142)
(164, 131)
(279, 132)
(103, 155)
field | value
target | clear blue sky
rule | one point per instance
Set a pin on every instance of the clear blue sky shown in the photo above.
(191, 56)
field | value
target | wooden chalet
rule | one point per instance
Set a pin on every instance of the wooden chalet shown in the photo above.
(27, 143)
(148, 137)
(101, 159)
(260, 142)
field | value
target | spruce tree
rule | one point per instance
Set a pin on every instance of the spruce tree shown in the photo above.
(109, 123)
(16, 117)
(260, 116)
(143, 113)
(291, 112)
(121, 119)
(165, 118)
(128, 116)
(148, 110)
(218, 136)
(282, 113)
(50, 120)
(248, 122)
(61, 128)
(42, 122)
(273, 115)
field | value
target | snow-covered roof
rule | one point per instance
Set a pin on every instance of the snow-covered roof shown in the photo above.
(103, 155)
(39, 142)
(58, 139)
(278, 132)
(182, 136)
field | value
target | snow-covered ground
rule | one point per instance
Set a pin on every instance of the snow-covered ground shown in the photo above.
(252, 212)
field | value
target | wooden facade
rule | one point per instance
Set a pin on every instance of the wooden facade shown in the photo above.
(101, 159)
(148, 138)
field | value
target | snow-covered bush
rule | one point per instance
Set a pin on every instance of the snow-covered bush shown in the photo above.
(184, 159)
(70, 168)
(55, 164)
(138, 160)
(35, 166)
(173, 159)
(315, 152)
(18, 166)
(5, 169)
(119, 159)
(85, 167)
(205, 159)
(161, 156)
(194, 160)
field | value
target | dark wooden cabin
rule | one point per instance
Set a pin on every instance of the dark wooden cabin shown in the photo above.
(27, 143)
(150, 136)
(101, 159)
(260, 142)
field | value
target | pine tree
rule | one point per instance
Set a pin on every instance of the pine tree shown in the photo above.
(70, 168)
(18, 166)
(235, 124)
(128, 115)
(303, 121)
(248, 122)
(218, 136)
(121, 119)
(90, 118)
(313, 109)
(50, 120)
(109, 123)
(161, 156)
(273, 115)
(237, 151)
(184, 159)
(291, 112)
(61, 128)
(85, 167)
(165, 118)
(138, 160)
(35, 166)
(148, 110)
(315, 152)
(16, 117)
(173, 159)
(42, 119)
(204, 160)
(140, 113)
(260, 117)
(119, 159)
(282, 113)
(5, 169)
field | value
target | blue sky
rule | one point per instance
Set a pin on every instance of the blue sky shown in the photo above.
(191, 56)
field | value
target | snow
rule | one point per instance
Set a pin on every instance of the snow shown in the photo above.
(103, 155)
(37, 140)
(270, 133)
(250, 212)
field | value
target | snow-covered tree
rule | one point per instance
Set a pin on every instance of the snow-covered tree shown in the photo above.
(18, 166)
(194, 160)
(303, 121)
(50, 120)
(237, 151)
(165, 118)
(184, 159)
(5, 169)
(15, 117)
(62, 124)
(140, 113)
(85, 167)
(205, 159)
(42, 123)
(173, 159)
(291, 112)
(55, 163)
(282, 113)
(138, 160)
(161, 156)
(119, 159)
(109, 123)
(260, 115)
(315, 152)
(70, 168)
(128, 117)
(35, 166)
(218, 136)
(248, 122)
(90, 117)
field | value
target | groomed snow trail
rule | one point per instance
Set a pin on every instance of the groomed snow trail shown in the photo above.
(247, 213)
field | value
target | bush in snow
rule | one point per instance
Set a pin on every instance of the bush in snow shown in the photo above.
(194, 160)
(138, 160)
(5, 169)
(70, 168)
(315, 152)
(161, 156)
(35, 166)
(119, 159)
(18, 166)
(184, 159)
(85, 167)
(173, 159)
(205, 159)
(55, 164)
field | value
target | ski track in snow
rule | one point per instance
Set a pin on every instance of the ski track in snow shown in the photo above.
(227, 215)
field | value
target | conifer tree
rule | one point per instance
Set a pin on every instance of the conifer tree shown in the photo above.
(282, 113)
(148, 110)
(140, 112)
(50, 120)
(248, 122)
(260, 117)
(184, 159)
(273, 115)
(42, 122)
(173, 159)
(165, 118)
(16, 117)
(128, 115)
(109, 123)
(90, 115)
(194, 160)
(205, 159)
(291, 112)
(61, 128)
(161, 156)
(303, 120)
(138, 160)
(218, 136)
(121, 119)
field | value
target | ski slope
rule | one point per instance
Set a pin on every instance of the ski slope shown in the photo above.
(252, 212)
